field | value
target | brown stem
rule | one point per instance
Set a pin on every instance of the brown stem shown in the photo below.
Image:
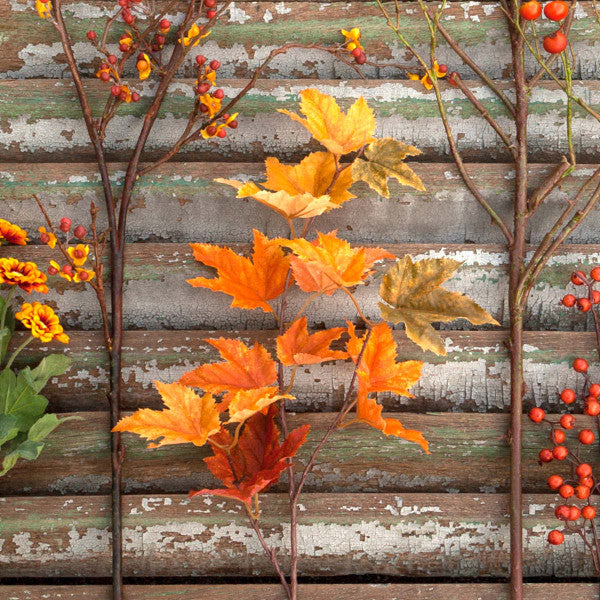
(546, 187)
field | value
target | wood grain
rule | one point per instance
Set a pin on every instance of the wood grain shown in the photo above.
(249, 31)
(180, 202)
(415, 535)
(392, 591)
(474, 376)
(469, 454)
(153, 270)
(53, 130)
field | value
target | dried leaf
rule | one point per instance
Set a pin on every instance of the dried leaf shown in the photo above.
(413, 296)
(246, 403)
(385, 159)
(297, 347)
(340, 133)
(252, 283)
(188, 418)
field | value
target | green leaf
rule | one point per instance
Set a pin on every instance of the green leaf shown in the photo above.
(8, 428)
(45, 425)
(51, 366)
(27, 449)
(9, 326)
(18, 399)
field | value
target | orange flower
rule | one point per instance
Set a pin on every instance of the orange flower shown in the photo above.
(352, 38)
(24, 274)
(77, 277)
(79, 254)
(51, 237)
(213, 104)
(12, 233)
(206, 134)
(193, 31)
(43, 322)
(144, 67)
(127, 91)
(426, 79)
(43, 8)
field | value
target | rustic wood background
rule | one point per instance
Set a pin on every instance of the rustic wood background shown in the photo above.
(380, 520)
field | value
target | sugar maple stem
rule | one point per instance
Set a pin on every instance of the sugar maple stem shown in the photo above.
(357, 305)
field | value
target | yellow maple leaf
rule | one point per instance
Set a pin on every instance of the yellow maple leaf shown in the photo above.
(188, 418)
(412, 295)
(340, 133)
(246, 403)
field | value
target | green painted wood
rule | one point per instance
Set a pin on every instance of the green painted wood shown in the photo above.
(180, 202)
(153, 270)
(469, 454)
(53, 129)
(404, 535)
(474, 376)
(249, 31)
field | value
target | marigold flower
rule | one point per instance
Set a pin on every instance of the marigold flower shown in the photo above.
(218, 127)
(79, 254)
(213, 104)
(43, 322)
(12, 234)
(193, 31)
(426, 79)
(51, 237)
(24, 274)
(144, 67)
(43, 8)
(352, 38)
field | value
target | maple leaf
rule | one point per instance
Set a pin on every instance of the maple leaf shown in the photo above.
(243, 368)
(252, 283)
(314, 175)
(412, 295)
(330, 263)
(340, 133)
(289, 206)
(297, 347)
(188, 418)
(385, 159)
(255, 462)
(378, 370)
(245, 403)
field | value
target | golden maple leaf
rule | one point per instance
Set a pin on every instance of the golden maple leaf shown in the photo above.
(188, 418)
(314, 175)
(385, 159)
(252, 283)
(296, 206)
(297, 347)
(340, 133)
(330, 263)
(246, 403)
(243, 368)
(412, 295)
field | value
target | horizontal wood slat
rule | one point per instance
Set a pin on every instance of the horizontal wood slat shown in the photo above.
(53, 130)
(404, 535)
(474, 376)
(249, 31)
(180, 202)
(469, 453)
(392, 591)
(155, 270)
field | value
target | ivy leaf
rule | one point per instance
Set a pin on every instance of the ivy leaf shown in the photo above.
(8, 428)
(385, 159)
(51, 366)
(412, 295)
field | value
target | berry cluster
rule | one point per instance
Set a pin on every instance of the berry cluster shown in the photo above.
(557, 10)
(354, 46)
(585, 303)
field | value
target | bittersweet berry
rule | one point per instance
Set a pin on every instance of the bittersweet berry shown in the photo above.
(574, 513)
(104, 76)
(580, 365)
(160, 39)
(560, 452)
(566, 490)
(361, 59)
(568, 396)
(595, 296)
(583, 470)
(135, 97)
(165, 24)
(200, 59)
(52, 271)
(567, 421)
(569, 300)
(562, 512)
(588, 512)
(594, 389)
(83, 275)
(112, 59)
(530, 11)
(575, 279)
(91, 35)
(537, 414)
(221, 133)
(592, 408)
(44, 238)
(582, 492)
(203, 88)
(595, 273)
(123, 47)
(556, 10)
(556, 538)
(214, 65)
(555, 44)
(65, 224)
(233, 124)
(67, 270)
(211, 130)
(587, 481)
(79, 232)
(555, 481)
(210, 3)
(219, 94)
(115, 90)
(557, 436)
(586, 436)
(583, 304)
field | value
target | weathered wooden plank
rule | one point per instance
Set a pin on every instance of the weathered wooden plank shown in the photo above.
(53, 129)
(469, 454)
(387, 534)
(250, 30)
(314, 591)
(180, 202)
(152, 270)
(474, 376)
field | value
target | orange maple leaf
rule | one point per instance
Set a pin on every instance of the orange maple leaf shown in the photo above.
(340, 133)
(252, 283)
(255, 462)
(330, 263)
(245, 403)
(297, 347)
(188, 418)
(243, 368)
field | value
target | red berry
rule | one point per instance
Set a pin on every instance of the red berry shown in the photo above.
(135, 97)
(588, 512)
(52, 271)
(566, 490)
(210, 3)
(568, 396)
(44, 238)
(123, 96)
(112, 59)
(567, 421)
(115, 90)
(219, 94)
(211, 14)
(594, 389)
(556, 538)
(530, 11)
(595, 273)
(214, 65)
(546, 455)
(556, 10)
(443, 68)
(452, 79)
(555, 44)
(592, 408)
(203, 108)
(575, 279)
(104, 76)
(361, 59)
(595, 296)
(211, 130)
(555, 481)
(165, 24)
(582, 492)
(221, 133)
(79, 231)
(91, 35)
(83, 275)
(537, 414)
(562, 512)
(569, 300)
(67, 270)
(587, 481)
(560, 452)
(557, 436)
(586, 436)
(128, 18)
(160, 39)
(200, 59)
(583, 470)
(233, 124)
(574, 513)
(583, 304)
(123, 3)
(580, 365)
(65, 224)
(356, 52)
(203, 88)
(123, 47)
